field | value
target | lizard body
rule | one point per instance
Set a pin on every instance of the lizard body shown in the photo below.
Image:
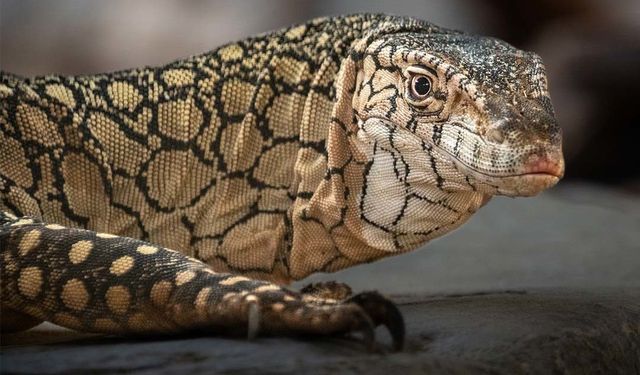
(310, 149)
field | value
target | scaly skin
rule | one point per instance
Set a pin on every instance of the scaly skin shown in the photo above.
(304, 150)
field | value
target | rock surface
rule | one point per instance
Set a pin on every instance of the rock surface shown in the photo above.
(574, 236)
(563, 296)
(539, 332)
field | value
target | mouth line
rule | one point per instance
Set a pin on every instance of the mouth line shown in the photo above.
(530, 174)
(541, 174)
(458, 161)
(474, 170)
(533, 174)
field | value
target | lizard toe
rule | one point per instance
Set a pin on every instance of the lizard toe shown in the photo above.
(382, 312)
(328, 290)
(312, 318)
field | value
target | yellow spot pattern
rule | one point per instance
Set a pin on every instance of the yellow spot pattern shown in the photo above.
(233, 280)
(29, 241)
(80, 251)
(30, 282)
(201, 298)
(121, 265)
(74, 295)
(147, 250)
(118, 299)
(184, 277)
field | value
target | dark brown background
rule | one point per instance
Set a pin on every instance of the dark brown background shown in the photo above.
(582, 235)
(591, 49)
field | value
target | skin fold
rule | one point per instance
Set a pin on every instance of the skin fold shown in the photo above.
(185, 197)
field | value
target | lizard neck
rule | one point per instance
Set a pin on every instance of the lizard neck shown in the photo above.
(373, 199)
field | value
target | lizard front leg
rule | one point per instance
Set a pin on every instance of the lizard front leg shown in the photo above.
(97, 282)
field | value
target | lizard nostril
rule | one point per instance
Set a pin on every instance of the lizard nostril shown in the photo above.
(494, 135)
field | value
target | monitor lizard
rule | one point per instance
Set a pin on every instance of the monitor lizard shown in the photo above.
(186, 197)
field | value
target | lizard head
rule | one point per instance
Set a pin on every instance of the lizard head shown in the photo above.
(477, 107)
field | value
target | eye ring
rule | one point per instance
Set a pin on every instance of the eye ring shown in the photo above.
(420, 87)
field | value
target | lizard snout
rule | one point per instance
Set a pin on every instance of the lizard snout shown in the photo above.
(545, 165)
(548, 163)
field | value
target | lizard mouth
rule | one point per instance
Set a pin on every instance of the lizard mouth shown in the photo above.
(528, 174)
(533, 174)
(537, 174)
(535, 177)
(544, 165)
(527, 185)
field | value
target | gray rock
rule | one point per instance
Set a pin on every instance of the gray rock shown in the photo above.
(536, 332)
(574, 236)
(563, 275)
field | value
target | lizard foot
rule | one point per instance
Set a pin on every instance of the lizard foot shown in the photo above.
(358, 314)
(379, 309)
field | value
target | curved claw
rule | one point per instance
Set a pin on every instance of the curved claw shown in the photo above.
(253, 321)
(368, 331)
(382, 311)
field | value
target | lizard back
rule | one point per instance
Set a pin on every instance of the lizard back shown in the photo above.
(204, 155)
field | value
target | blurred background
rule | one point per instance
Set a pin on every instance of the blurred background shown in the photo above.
(591, 49)
(585, 232)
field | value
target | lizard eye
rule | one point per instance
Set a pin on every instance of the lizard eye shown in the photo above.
(422, 89)
(420, 86)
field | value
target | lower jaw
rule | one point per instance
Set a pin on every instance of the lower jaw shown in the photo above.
(526, 185)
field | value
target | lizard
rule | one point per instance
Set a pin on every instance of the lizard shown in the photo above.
(186, 197)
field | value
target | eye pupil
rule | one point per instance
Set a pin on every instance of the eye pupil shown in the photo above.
(422, 85)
